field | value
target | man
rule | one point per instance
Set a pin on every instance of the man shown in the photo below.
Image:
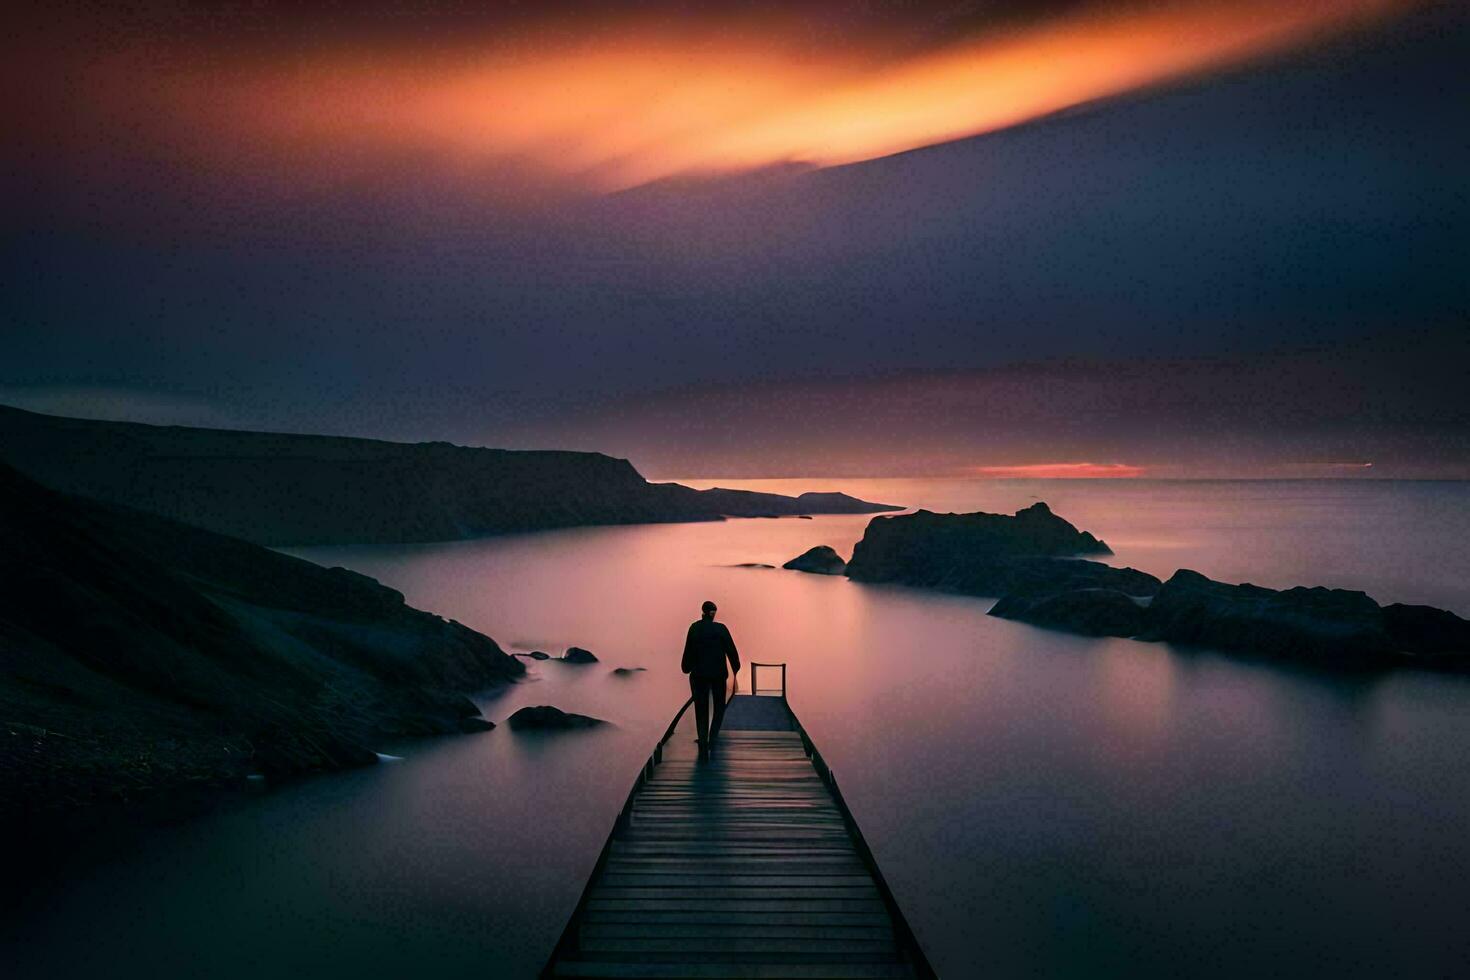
(706, 649)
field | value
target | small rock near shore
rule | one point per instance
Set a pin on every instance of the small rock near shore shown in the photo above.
(821, 560)
(544, 716)
(576, 655)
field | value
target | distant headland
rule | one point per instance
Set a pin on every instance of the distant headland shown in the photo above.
(284, 489)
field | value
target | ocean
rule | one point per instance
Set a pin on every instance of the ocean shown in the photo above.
(1041, 804)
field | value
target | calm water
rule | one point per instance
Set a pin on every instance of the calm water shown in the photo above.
(1042, 804)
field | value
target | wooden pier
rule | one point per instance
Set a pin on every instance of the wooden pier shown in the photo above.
(748, 865)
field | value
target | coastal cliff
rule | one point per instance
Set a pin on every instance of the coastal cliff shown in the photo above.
(282, 489)
(142, 658)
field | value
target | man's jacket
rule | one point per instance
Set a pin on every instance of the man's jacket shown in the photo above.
(706, 649)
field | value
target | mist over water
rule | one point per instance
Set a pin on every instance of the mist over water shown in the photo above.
(1041, 804)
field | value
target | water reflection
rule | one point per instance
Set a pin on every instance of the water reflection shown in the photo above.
(1136, 693)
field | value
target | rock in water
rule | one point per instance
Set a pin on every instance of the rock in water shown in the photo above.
(1333, 625)
(1091, 612)
(988, 554)
(821, 560)
(544, 716)
(576, 655)
(627, 671)
(539, 655)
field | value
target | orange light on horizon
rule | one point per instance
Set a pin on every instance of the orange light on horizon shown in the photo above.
(1059, 471)
(622, 104)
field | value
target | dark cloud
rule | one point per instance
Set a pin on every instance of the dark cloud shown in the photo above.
(1313, 200)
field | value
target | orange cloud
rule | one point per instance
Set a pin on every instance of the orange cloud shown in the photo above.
(629, 102)
(1059, 471)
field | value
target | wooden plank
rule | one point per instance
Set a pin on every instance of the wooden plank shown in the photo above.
(725, 918)
(789, 869)
(716, 892)
(728, 850)
(795, 866)
(826, 859)
(712, 905)
(733, 971)
(766, 833)
(798, 799)
(699, 945)
(703, 819)
(660, 879)
(768, 928)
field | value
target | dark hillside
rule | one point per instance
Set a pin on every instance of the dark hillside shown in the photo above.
(140, 656)
(303, 489)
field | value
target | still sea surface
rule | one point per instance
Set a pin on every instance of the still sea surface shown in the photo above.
(1042, 804)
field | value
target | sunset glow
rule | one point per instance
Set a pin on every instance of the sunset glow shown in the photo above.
(1060, 471)
(617, 104)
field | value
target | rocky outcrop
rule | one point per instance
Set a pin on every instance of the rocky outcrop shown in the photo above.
(576, 655)
(821, 560)
(140, 656)
(1426, 631)
(1334, 627)
(1315, 623)
(1091, 612)
(1029, 561)
(546, 717)
(281, 489)
(988, 554)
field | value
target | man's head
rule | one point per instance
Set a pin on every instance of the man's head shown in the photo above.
(708, 609)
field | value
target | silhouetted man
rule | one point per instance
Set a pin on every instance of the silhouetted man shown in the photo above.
(706, 649)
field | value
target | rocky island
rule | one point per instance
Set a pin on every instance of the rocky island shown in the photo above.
(283, 489)
(987, 554)
(1030, 561)
(1336, 627)
(143, 659)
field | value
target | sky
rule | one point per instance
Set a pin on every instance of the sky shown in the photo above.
(1059, 237)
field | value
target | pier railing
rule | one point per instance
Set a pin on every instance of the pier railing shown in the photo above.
(755, 673)
(903, 933)
(567, 943)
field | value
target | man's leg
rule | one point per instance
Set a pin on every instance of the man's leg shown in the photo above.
(700, 690)
(717, 693)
